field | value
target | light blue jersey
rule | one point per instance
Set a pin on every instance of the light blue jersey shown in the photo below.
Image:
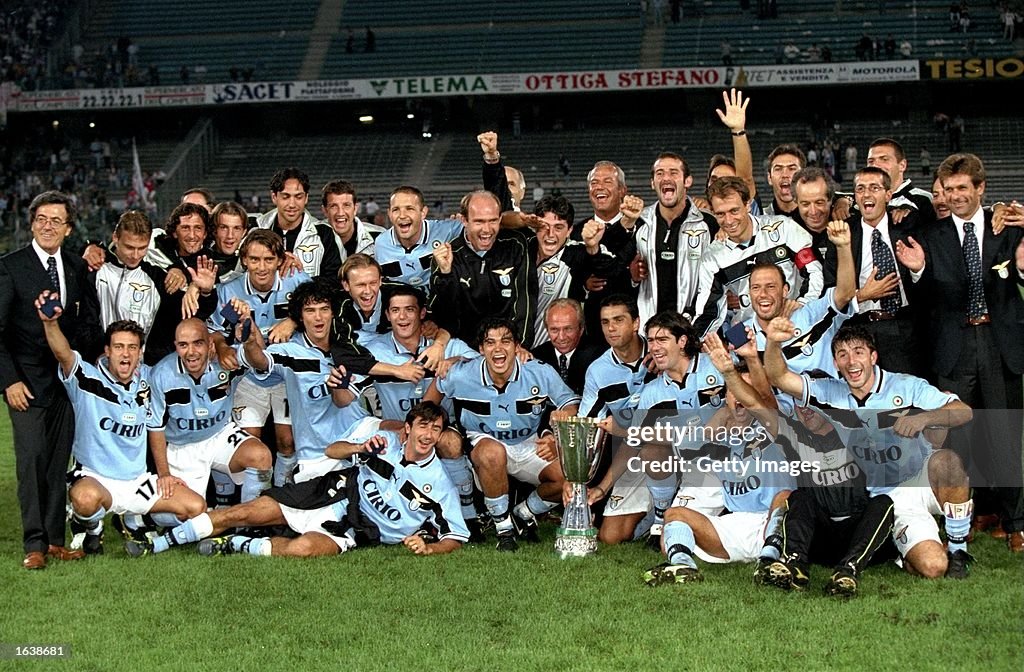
(397, 396)
(110, 419)
(816, 325)
(511, 414)
(186, 410)
(612, 387)
(413, 266)
(702, 386)
(752, 469)
(268, 308)
(400, 496)
(887, 458)
(316, 421)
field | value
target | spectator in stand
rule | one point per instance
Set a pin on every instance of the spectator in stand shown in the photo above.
(890, 46)
(791, 52)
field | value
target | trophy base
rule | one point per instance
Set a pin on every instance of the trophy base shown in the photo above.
(576, 543)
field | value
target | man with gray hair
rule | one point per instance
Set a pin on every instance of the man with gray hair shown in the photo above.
(569, 351)
(618, 214)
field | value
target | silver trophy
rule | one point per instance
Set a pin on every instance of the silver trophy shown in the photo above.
(580, 442)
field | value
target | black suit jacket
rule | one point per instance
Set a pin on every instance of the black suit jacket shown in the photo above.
(907, 228)
(944, 282)
(24, 354)
(585, 354)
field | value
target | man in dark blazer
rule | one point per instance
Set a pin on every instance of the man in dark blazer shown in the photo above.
(568, 351)
(885, 289)
(41, 415)
(970, 279)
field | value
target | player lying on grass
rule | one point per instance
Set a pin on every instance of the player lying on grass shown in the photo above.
(397, 488)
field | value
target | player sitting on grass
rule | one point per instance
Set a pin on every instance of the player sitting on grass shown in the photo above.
(396, 488)
(111, 403)
(889, 405)
(727, 522)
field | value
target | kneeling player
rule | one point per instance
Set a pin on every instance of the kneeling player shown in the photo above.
(111, 404)
(191, 430)
(500, 402)
(397, 487)
(915, 505)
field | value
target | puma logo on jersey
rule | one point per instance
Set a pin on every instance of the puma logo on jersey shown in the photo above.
(465, 281)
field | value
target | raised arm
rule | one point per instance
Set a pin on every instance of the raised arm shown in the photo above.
(778, 332)
(54, 336)
(735, 119)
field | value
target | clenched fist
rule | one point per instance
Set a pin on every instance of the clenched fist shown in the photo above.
(631, 208)
(443, 257)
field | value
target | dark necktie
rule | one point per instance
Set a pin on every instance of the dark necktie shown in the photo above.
(881, 256)
(51, 269)
(563, 367)
(975, 287)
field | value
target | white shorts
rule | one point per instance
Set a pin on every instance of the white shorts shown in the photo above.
(523, 462)
(192, 462)
(307, 470)
(136, 495)
(311, 520)
(706, 499)
(254, 403)
(741, 533)
(742, 536)
(914, 511)
(629, 495)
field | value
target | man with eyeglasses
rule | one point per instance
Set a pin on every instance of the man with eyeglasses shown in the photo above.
(885, 292)
(41, 415)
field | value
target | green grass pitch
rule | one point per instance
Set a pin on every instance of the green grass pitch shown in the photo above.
(384, 609)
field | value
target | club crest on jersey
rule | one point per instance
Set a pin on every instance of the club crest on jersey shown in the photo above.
(614, 501)
(504, 275)
(537, 402)
(139, 291)
(806, 349)
(772, 229)
(236, 412)
(142, 398)
(307, 251)
(549, 271)
(1002, 270)
(417, 501)
(693, 237)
